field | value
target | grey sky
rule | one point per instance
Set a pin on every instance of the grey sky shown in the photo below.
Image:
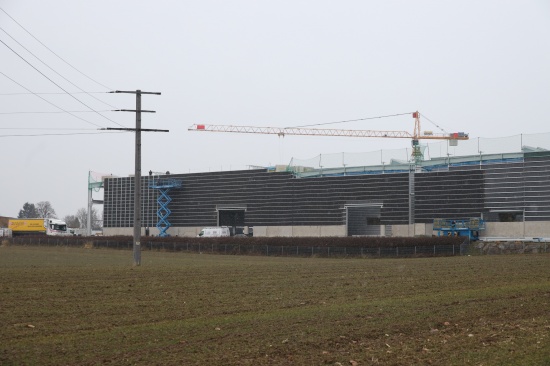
(475, 66)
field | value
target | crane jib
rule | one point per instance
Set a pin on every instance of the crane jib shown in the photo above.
(281, 131)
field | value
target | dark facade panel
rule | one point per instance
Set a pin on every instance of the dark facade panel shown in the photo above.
(537, 186)
(277, 199)
(452, 194)
(504, 189)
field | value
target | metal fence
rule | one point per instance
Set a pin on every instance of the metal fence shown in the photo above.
(260, 250)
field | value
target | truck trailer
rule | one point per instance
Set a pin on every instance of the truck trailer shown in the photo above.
(37, 227)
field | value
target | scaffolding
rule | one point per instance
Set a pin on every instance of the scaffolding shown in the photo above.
(164, 186)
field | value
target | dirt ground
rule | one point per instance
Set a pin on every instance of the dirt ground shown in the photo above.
(79, 306)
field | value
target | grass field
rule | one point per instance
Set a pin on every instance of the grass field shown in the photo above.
(69, 306)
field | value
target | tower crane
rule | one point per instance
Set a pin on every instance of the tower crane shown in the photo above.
(417, 155)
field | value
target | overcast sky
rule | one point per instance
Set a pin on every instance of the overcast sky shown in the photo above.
(481, 67)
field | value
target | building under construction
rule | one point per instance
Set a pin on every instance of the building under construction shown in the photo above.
(510, 191)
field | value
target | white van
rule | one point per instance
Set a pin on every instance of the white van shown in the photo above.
(214, 232)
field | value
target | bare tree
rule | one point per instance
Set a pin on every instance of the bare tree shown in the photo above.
(45, 210)
(72, 221)
(97, 220)
(82, 217)
(28, 211)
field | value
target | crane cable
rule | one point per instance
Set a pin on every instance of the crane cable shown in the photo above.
(351, 120)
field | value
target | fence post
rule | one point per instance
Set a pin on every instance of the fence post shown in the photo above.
(453, 249)
(267, 250)
(434, 249)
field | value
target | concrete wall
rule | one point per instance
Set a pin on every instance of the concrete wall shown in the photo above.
(528, 229)
(115, 231)
(537, 229)
(503, 229)
(297, 231)
(412, 230)
(153, 231)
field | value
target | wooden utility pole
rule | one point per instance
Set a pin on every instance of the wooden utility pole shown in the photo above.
(137, 175)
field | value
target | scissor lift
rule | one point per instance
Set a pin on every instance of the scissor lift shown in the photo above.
(459, 227)
(164, 186)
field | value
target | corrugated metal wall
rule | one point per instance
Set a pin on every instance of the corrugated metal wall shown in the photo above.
(280, 199)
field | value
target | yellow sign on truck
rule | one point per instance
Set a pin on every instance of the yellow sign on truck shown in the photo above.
(37, 226)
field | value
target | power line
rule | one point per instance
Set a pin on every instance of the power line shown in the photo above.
(48, 128)
(47, 101)
(53, 82)
(352, 120)
(64, 78)
(107, 110)
(55, 93)
(60, 134)
(59, 57)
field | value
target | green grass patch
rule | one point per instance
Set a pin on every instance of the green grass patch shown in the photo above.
(62, 305)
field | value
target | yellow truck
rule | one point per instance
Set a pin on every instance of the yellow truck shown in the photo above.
(37, 227)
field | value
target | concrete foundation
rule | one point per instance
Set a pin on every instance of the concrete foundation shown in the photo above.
(412, 230)
(116, 231)
(300, 231)
(528, 229)
(531, 229)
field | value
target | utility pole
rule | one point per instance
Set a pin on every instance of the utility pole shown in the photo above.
(137, 176)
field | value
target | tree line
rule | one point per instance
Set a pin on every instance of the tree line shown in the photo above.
(44, 209)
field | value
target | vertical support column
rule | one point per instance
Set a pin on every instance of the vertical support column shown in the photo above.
(411, 200)
(137, 175)
(90, 205)
(137, 185)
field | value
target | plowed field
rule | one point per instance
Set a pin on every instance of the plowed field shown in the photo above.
(73, 306)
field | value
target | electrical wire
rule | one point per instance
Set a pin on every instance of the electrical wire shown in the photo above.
(64, 78)
(52, 112)
(351, 120)
(62, 134)
(54, 93)
(47, 101)
(59, 57)
(48, 128)
(53, 82)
